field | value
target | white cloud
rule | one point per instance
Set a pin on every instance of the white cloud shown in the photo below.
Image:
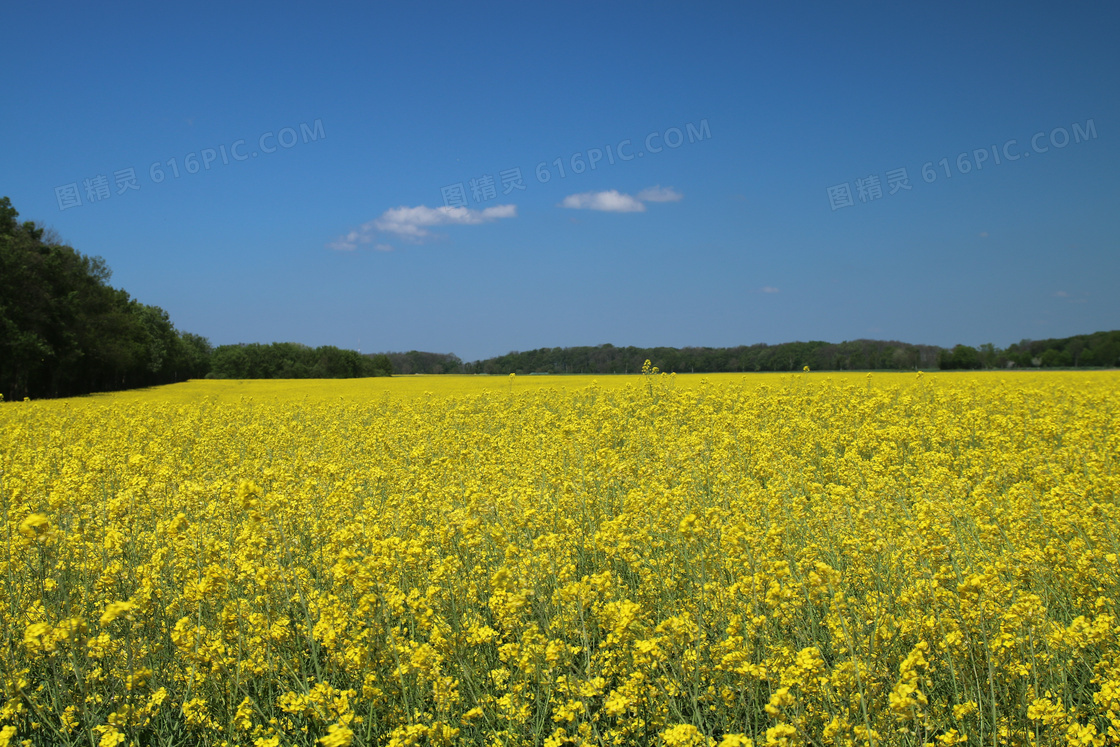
(660, 194)
(611, 201)
(412, 224)
(769, 289)
(1060, 294)
(354, 239)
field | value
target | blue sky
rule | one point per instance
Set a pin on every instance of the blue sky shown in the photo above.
(762, 174)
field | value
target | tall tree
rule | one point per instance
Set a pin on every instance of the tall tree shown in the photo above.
(64, 330)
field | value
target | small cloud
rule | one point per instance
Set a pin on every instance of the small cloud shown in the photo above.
(983, 234)
(1082, 297)
(769, 289)
(354, 239)
(611, 201)
(660, 194)
(412, 224)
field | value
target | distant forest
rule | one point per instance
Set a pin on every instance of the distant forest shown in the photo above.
(1101, 349)
(291, 360)
(65, 331)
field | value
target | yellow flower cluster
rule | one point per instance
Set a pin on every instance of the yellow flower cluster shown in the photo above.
(679, 561)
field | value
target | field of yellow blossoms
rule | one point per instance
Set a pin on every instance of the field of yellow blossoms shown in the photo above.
(686, 561)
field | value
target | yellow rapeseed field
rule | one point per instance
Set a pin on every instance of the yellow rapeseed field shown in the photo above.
(826, 559)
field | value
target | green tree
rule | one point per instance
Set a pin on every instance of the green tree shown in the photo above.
(965, 357)
(380, 365)
(196, 351)
(1056, 358)
(64, 330)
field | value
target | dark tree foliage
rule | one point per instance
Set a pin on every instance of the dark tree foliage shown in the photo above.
(65, 331)
(1096, 350)
(961, 357)
(791, 356)
(382, 366)
(291, 360)
(414, 362)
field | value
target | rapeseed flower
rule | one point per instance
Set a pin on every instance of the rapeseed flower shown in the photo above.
(35, 526)
(116, 609)
(718, 561)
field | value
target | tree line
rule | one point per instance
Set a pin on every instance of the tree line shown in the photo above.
(1098, 350)
(65, 331)
(1101, 349)
(791, 356)
(291, 360)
